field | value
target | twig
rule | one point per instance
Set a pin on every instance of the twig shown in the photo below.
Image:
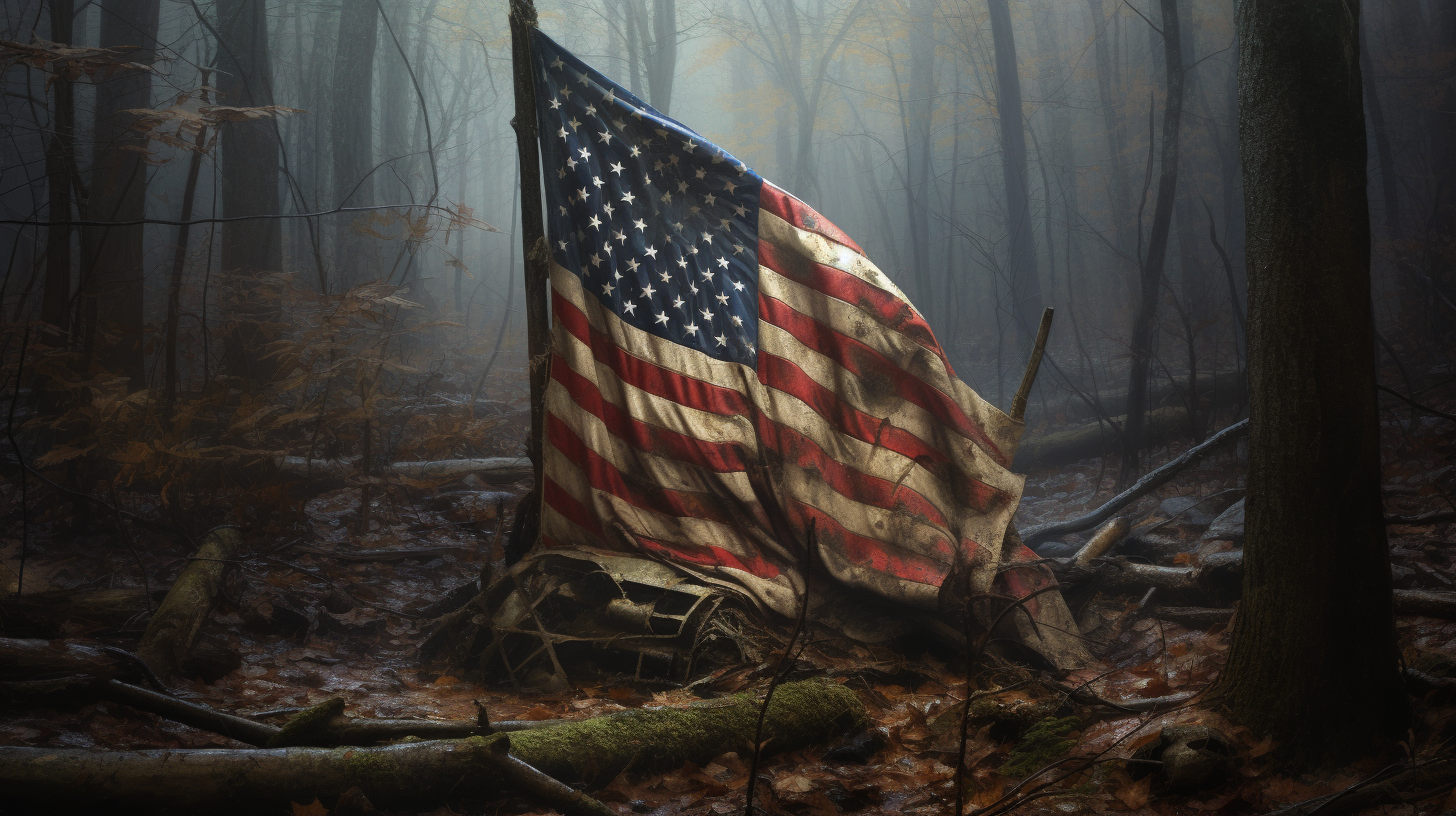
(1147, 484)
(779, 671)
(1416, 405)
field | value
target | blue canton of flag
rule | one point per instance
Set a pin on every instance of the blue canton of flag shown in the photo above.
(660, 224)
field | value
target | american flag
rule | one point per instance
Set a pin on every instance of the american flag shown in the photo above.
(728, 369)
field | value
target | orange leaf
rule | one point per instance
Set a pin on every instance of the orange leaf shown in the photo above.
(316, 808)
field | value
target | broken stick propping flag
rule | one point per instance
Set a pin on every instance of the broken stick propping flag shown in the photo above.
(730, 370)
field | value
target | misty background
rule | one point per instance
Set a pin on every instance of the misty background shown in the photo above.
(992, 157)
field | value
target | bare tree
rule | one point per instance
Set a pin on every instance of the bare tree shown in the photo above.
(780, 29)
(1151, 266)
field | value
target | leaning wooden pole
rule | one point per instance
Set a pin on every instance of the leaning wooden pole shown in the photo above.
(533, 244)
(1018, 403)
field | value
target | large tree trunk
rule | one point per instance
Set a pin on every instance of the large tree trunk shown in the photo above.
(1025, 291)
(249, 181)
(60, 166)
(111, 257)
(1151, 273)
(352, 126)
(1313, 659)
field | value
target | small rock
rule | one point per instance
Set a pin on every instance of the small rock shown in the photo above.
(1402, 577)
(1229, 526)
(1194, 758)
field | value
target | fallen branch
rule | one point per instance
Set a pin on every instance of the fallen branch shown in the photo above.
(423, 775)
(1218, 578)
(175, 625)
(394, 554)
(1147, 484)
(1424, 519)
(491, 469)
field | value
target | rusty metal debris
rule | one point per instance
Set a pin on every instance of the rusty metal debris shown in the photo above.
(596, 614)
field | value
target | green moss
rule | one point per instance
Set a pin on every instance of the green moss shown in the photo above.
(1043, 743)
(593, 751)
(303, 728)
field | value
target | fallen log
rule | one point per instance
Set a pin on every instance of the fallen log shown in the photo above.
(1147, 484)
(175, 625)
(423, 775)
(491, 469)
(1426, 603)
(52, 612)
(1094, 439)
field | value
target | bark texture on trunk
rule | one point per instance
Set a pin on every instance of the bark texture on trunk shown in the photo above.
(1025, 290)
(249, 184)
(351, 128)
(60, 166)
(1151, 274)
(1313, 659)
(111, 257)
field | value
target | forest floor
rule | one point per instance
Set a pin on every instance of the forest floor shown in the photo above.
(303, 623)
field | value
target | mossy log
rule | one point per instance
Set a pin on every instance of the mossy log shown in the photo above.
(175, 625)
(422, 775)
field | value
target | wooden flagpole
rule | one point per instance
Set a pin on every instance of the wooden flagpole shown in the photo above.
(534, 250)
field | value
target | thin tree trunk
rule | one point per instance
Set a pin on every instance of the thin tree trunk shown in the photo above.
(1313, 659)
(1026, 296)
(249, 185)
(1119, 194)
(351, 128)
(112, 257)
(60, 165)
(1151, 277)
(179, 261)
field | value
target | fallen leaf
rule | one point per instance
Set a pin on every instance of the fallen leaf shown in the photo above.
(1135, 794)
(793, 783)
(316, 808)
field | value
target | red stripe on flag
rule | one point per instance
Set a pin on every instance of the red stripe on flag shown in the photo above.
(567, 505)
(872, 554)
(776, 372)
(887, 309)
(709, 556)
(855, 485)
(605, 476)
(651, 378)
(802, 215)
(877, 371)
(721, 458)
(727, 457)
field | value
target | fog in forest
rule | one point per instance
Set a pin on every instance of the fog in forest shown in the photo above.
(288, 424)
(889, 118)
